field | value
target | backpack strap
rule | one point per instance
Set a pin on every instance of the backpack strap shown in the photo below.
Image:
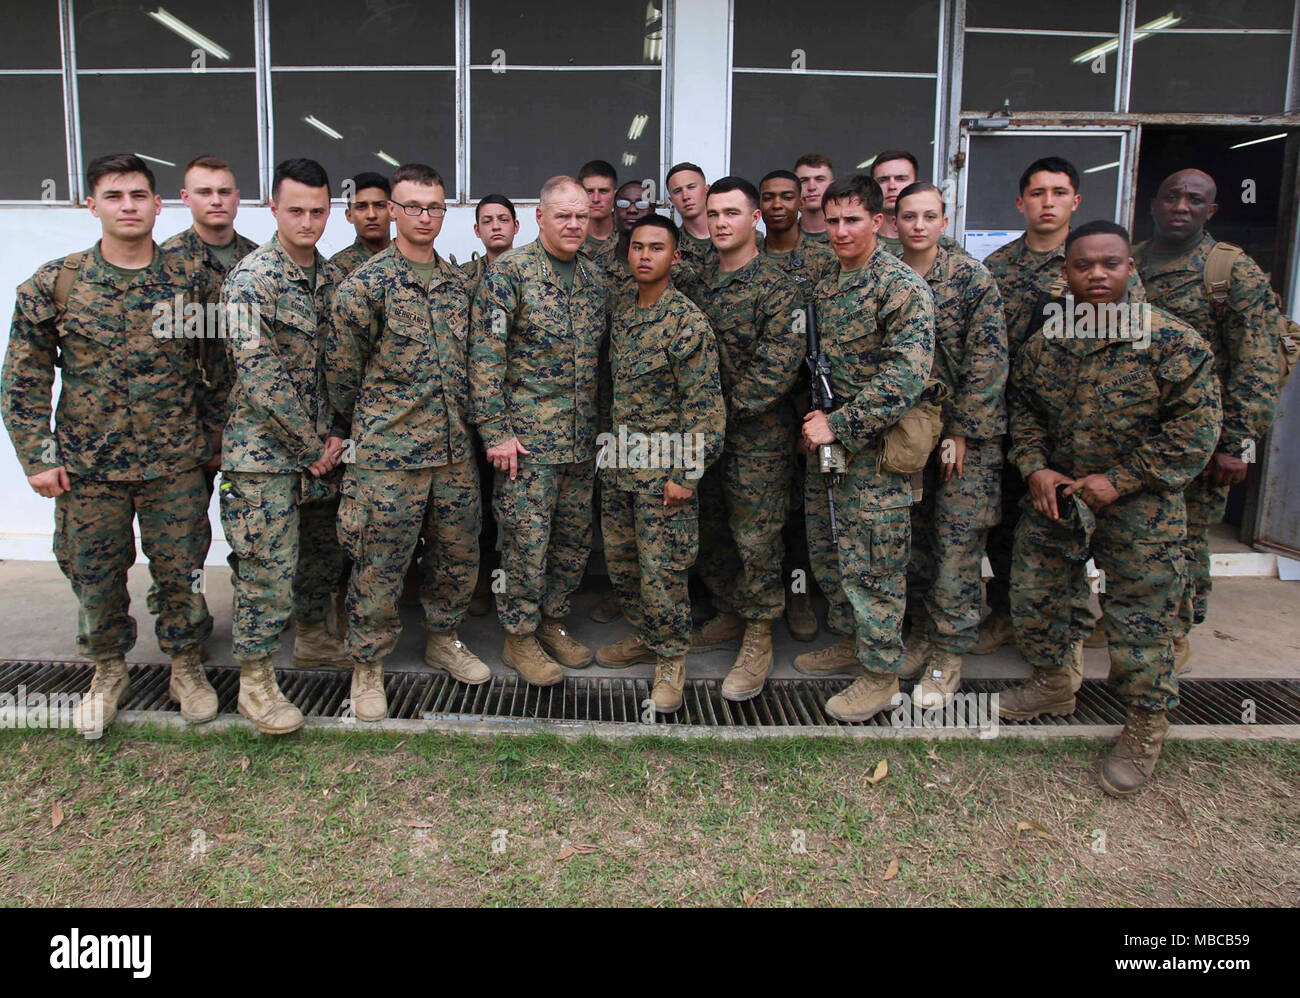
(1218, 274)
(66, 279)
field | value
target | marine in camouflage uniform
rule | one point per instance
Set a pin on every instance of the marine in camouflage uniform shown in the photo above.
(950, 524)
(699, 254)
(533, 375)
(666, 386)
(349, 259)
(1244, 343)
(397, 369)
(602, 252)
(895, 245)
(877, 332)
(278, 518)
(134, 422)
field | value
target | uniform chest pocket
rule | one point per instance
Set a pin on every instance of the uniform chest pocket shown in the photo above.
(1127, 393)
(856, 348)
(87, 347)
(638, 365)
(405, 350)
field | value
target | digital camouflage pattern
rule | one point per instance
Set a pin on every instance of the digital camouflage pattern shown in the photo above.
(817, 237)
(475, 270)
(132, 405)
(382, 514)
(288, 557)
(601, 251)
(1024, 276)
(1148, 419)
(877, 331)
(349, 259)
(744, 496)
(94, 544)
(701, 254)
(806, 264)
(534, 349)
(397, 362)
(1246, 362)
(279, 406)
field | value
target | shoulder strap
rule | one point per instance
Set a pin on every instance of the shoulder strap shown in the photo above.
(1218, 272)
(67, 277)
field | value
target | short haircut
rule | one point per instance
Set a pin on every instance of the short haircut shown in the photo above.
(369, 178)
(558, 183)
(117, 162)
(859, 186)
(781, 175)
(657, 222)
(1050, 164)
(919, 187)
(813, 159)
(304, 171)
(888, 154)
(683, 168)
(632, 183)
(597, 168)
(490, 199)
(420, 174)
(1097, 227)
(207, 163)
(727, 184)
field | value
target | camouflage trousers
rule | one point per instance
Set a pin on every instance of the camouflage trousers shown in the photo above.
(648, 549)
(864, 575)
(1205, 507)
(949, 529)
(1143, 588)
(545, 518)
(289, 557)
(94, 543)
(382, 515)
(743, 499)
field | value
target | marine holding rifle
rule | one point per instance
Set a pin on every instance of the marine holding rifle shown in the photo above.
(877, 334)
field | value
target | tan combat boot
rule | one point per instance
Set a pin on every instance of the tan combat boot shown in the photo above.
(915, 654)
(995, 632)
(1047, 691)
(561, 646)
(670, 680)
(261, 701)
(840, 657)
(1097, 639)
(98, 707)
(1074, 665)
(368, 700)
(800, 617)
(1182, 653)
(865, 698)
(630, 651)
(190, 688)
(941, 679)
(444, 650)
(314, 645)
(746, 678)
(1131, 762)
(523, 654)
(724, 629)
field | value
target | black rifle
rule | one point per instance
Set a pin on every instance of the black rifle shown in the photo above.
(830, 457)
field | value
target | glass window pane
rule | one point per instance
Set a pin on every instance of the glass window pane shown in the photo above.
(996, 162)
(137, 36)
(1219, 13)
(30, 39)
(768, 33)
(347, 33)
(1210, 74)
(32, 106)
(565, 32)
(1035, 74)
(213, 113)
(776, 119)
(1101, 15)
(408, 116)
(529, 125)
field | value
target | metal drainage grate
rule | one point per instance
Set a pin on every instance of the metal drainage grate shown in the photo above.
(784, 703)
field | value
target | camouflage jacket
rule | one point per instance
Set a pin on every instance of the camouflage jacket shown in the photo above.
(474, 271)
(601, 251)
(699, 253)
(207, 273)
(665, 367)
(1244, 345)
(533, 355)
(133, 404)
(970, 346)
(877, 332)
(623, 288)
(348, 260)
(752, 312)
(806, 264)
(397, 362)
(1147, 418)
(1024, 277)
(279, 406)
